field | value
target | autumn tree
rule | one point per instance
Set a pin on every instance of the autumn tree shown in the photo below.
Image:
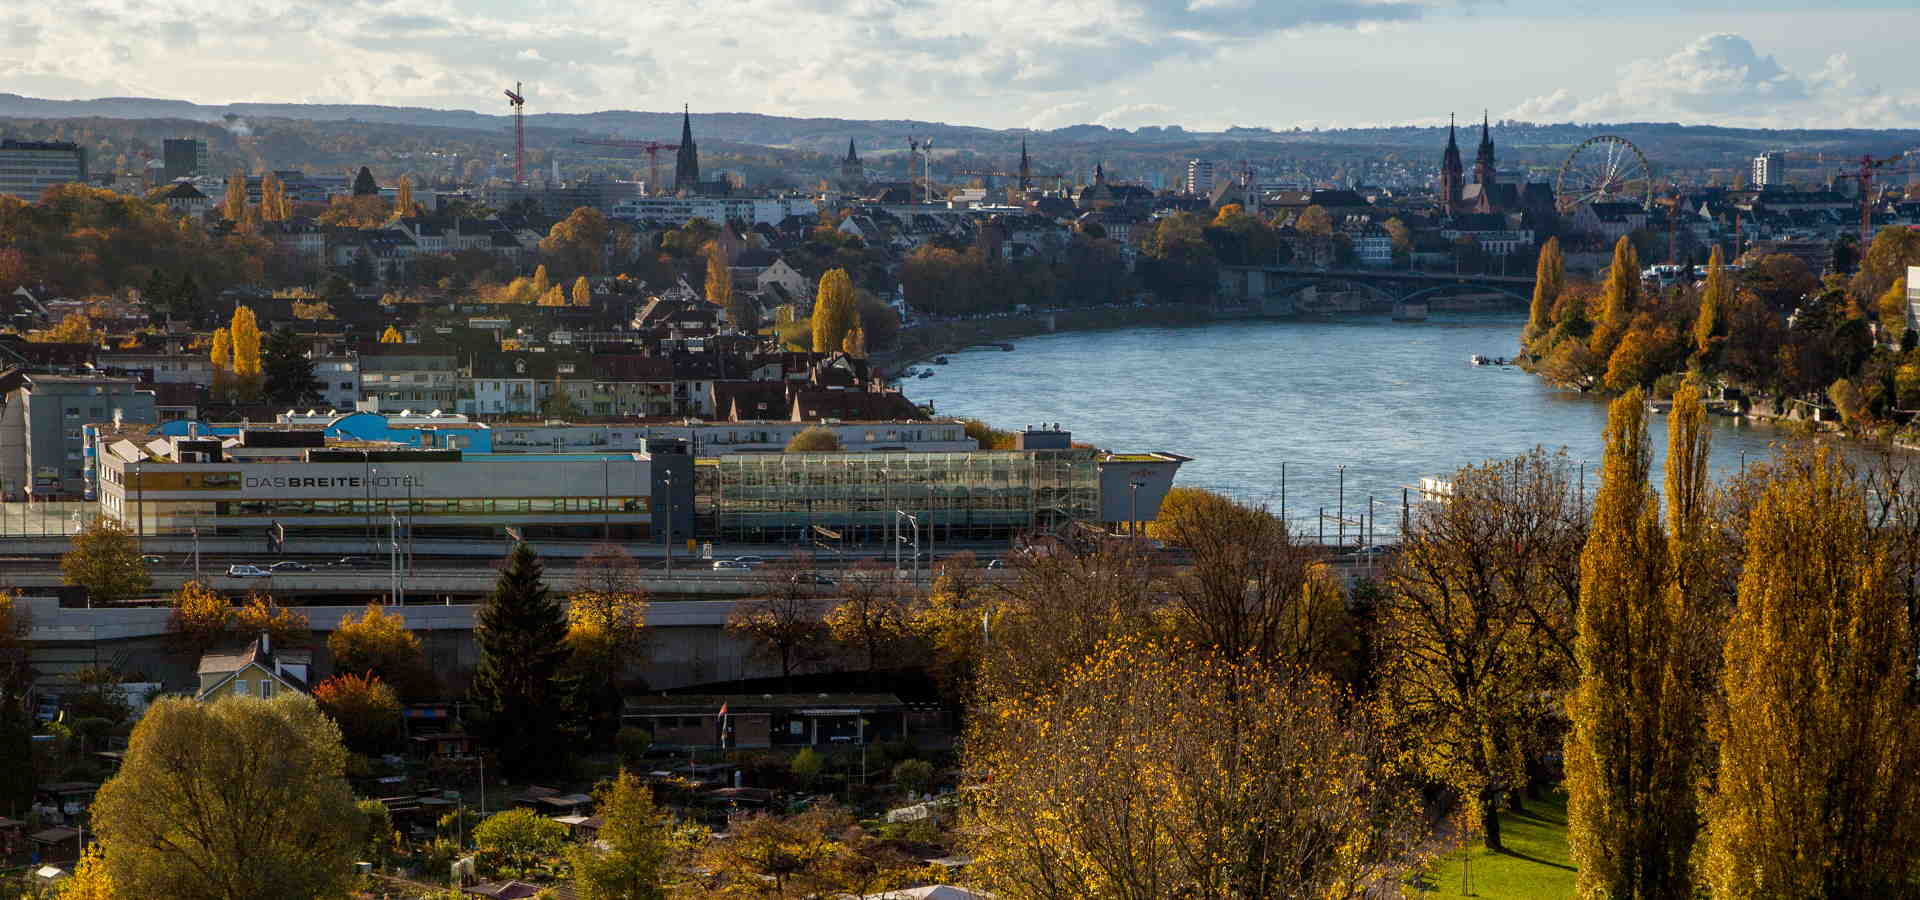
(73, 328)
(105, 560)
(606, 630)
(952, 622)
(403, 198)
(201, 617)
(833, 311)
(1619, 298)
(514, 843)
(245, 333)
(1631, 752)
(222, 352)
(1714, 300)
(1549, 279)
(719, 284)
(366, 709)
(234, 799)
(91, 880)
(392, 336)
(262, 614)
(17, 783)
(1315, 221)
(578, 244)
(871, 617)
(783, 621)
(582, 292)
(814, 439)
(378, 644)
(1158, 770)
(233, 205)
(822, 852)
(1061, 605)
(274, 206)
(636, 847)
(1475, 631)
(518, 689)
(1819, 727)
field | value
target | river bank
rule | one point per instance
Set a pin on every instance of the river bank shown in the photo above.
(921, 343)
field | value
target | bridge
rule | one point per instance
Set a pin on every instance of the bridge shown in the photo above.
(1286, 290)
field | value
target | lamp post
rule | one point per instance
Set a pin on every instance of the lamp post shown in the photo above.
(1341, 515)
(914, 520)
(393, 556)
(668, 474)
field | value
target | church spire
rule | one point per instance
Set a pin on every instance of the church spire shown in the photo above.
(1483, 164)
(686, 163)
(1452, 173)
(1026, 169)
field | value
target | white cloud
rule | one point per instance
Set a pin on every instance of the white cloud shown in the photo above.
(1134, 115)
(1721, 78)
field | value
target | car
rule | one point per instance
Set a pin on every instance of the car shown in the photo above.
(288, 565)
(345, 562)
(996, 564)
(751, 560)
(813, 578)
(731, 565)
(153, 559)
(247, 572)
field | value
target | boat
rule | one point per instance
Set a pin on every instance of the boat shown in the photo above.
(927, 374)
(939, 360)
(1478, 360)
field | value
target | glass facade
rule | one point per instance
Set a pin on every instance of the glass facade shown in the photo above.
(982, 495)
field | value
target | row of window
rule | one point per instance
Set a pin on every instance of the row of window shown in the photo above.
(433, 507)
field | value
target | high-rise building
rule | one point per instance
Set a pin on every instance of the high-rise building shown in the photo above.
(183, 158)
(1199, 177)
(1769, 170)
(28, 168)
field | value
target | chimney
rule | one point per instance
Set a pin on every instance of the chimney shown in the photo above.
(266, 644)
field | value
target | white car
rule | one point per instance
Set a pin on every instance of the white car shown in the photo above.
(731, 564)
(247, 572)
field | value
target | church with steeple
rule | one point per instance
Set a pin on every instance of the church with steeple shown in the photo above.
(686, 163)
(1487, 194)
(853, 175)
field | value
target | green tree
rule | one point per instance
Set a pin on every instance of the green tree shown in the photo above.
(16, 720)
(515, 843)
(1629, 783)
(287, 369)
(1713, 303)
(816, 439)
(637, 842)
(914, 776)
(234, 799)
(1549, 279)
(105, 560)
(806, 766)
(518, 688)
(833, 311)
(1819, 726)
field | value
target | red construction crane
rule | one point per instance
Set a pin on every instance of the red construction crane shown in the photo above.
(519, 135)
(1864, 174)
(650, 148)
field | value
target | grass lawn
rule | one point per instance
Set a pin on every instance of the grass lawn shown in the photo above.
(1535, 863)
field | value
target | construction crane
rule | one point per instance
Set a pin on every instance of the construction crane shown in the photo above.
(1864, 174)
(1024, 177)
(650, 148)
(519, 104)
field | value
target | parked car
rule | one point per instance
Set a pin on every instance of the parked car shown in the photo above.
(153, 559)
(247, 572)
(288, 565)
(731, 564)
(751, 560)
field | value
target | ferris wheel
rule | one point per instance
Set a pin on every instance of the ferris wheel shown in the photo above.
(1604, 169)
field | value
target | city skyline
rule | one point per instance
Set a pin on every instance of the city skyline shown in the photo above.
(1203, 65)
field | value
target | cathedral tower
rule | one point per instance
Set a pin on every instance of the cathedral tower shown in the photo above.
(686, 164)
(1452, 176)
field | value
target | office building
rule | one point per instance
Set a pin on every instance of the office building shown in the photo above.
(28, 168)
(1913, 298)
(1769, 170)
(44, 451)
(182, 158)
(1199, 177)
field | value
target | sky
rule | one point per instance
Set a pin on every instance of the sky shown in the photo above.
(1201, 64)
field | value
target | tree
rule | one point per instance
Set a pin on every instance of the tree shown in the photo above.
(74, 328)
(517, 688)
(1475, 627)
(364, 185)
(1713, 300)
(273, 198)
(222, 353)
(403, 198)
(378, 644)
(915, 776)
(245, 333)
(818, 853)
(554, 296)
(17, 783)
(1891, 310)
(200, 617)
(606, 631)
(1630, 764)
(233, 205)
(814, 439)
(871, 617)
(1851, 403)
(855, 343)
(1549, 279)
(1818, 718)
(366, 709)
(637, 843)
(287, 368)
(1619, 297)
(1315, 221)
(719, 277)
(105, 560)
(582, 292)
(392, 336)
(264, 615)
(91, 880)
(1157, 770)
(1635, 363)
(514, 843)
(833, 311)
(578, 244)
(234, 799)
(782, 623)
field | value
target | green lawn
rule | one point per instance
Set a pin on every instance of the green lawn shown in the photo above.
(1535, 863)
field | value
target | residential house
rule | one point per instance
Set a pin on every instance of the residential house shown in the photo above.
(254, 670)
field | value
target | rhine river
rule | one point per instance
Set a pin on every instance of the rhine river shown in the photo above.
(1391, 401)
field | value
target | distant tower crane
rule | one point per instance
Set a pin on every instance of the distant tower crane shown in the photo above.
(1864, 174)
(1024, 178)
(519, 135)
(650, 148)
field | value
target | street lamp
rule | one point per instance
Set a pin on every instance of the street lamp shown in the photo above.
(393, 555)
(668, 474)
(897, 540)
(1341, 515)
(1133, 506)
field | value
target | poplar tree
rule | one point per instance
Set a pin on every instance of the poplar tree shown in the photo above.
(403, 197)
(1712, 301)
(245, 334)
(1549, 279)
(222, 354)
(273, 198)
(233, 206)
(1621, 295)
(541, 282)
(719, 277)
(519, 687)
(582, 292)
(1819, 740)
(1633, 751)
(833, 311)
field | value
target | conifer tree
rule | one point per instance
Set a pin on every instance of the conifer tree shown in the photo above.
(1815, 794)
(519, 688)
(1549, 279)
(833, 311)
(1713, 301)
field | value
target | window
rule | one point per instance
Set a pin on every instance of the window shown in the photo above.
(239, 686)
(266, 689)
(73, 410)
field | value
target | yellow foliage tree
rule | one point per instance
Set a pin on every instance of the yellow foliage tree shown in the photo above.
(233, 206)
(74, 328)
(834, 313)
(245, 335)
(403, 198)
(582, 292)
(1549, 279)
(200, 617)
(1713, 303)
(554, 296)
(719, 276)
(265, 615)
(90, 880)
(392, 336)
(541, 283)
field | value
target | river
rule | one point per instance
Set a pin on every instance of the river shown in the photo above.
(1391, 401)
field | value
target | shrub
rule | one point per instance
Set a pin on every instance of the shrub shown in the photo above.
(634, 744)
(914, 775)
(807, 766)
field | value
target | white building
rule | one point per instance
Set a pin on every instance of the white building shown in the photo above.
(1199, 177)
(1769, 170)
(750, 210)
(339, 378)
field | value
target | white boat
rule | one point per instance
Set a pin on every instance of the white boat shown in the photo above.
(1478, 360)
